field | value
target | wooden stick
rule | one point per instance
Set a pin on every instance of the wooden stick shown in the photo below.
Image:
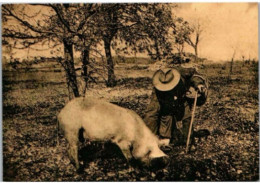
(192, 118)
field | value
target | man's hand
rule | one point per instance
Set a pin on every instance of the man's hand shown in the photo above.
(201, 88)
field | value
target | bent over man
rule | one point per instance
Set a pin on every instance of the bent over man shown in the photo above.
(168, 114)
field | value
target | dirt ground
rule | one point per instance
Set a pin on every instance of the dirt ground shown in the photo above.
(32, 99)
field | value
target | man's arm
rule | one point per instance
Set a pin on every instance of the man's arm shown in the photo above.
(197, 81)
(200, 84)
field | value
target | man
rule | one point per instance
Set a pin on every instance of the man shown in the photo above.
(168, 114)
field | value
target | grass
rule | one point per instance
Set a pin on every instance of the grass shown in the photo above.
(31, 101)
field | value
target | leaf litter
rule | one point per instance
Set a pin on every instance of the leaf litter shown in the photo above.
(34, 151)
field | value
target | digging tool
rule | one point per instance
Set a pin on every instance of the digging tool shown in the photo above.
(192, 118)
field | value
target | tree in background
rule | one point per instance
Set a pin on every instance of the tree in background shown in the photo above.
(148, 29)
(80, 32)
(140, 27)
(137, 27)
(196, 31)
(30, 29)
(231, 64)
(61, 25)
(181, 33)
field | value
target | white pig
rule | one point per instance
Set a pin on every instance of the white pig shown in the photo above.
(106, 121)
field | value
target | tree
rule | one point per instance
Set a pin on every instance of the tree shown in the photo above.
(196, 30)
(141, 27)
(109, 29)
(61, 26)
(77, 22)
(149, 31)
(181, 34)
(231, 64)
(29, 33)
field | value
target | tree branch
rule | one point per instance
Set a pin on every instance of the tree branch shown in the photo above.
(21, 36)
(25, 23)
(61, 18)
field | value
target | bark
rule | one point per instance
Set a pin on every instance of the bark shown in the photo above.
(196, 53)
(231, 67)
(111, 75)
(85, 63)
(158, 57)
(70, 69)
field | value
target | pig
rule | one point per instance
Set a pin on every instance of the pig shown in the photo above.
(104, 121)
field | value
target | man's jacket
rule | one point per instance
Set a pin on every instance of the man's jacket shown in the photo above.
(174, 103)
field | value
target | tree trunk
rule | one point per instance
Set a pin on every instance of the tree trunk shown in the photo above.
(85, 63)
(230, 71)
(196, 53)
(111, 76)
(158, 56)
(70, 69)
(181, 49)
(231, 67)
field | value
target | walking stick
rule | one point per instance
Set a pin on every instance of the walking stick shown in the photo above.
(192, 118)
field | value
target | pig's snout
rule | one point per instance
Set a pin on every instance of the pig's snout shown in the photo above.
(160, 162)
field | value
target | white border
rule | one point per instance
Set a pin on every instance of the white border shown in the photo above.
(100, 1)
(126, 1)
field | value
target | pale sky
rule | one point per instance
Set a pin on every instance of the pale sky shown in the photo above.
(226, 27)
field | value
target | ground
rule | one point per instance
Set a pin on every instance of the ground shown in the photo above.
(33, 150)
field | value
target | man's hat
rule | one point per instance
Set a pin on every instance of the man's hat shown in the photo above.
(166, 79)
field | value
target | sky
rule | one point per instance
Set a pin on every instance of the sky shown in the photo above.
(227, 27)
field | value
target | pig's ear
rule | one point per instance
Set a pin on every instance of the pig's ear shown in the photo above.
(147, 155)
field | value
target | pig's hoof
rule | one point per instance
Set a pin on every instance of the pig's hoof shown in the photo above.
(159, 163)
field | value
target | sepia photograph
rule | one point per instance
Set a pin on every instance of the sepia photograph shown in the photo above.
(130, 91)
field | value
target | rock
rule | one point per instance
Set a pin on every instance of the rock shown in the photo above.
(98, 178)
(153, 174)
(165, 171)
(111, 174)
(143, 178)
(213, 173)
(239, 171)
(198, 174)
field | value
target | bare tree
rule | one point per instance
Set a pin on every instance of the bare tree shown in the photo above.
(197, 31)
(181, 34)
(231, 65)
(28, 33)
(60, 26)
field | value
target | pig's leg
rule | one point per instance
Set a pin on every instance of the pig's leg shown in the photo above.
(72, 137)
(125, 148)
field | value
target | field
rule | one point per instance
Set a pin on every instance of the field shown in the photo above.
(33, 150)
